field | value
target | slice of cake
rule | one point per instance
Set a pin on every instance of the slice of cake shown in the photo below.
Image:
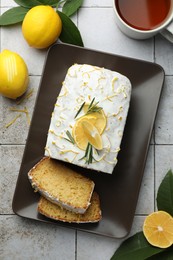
(61, 185)
(50, 210)
(89, 117)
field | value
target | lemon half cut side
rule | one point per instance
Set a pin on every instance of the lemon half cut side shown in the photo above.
(158, 229)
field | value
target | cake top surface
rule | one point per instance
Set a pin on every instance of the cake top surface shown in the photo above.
(89, 116)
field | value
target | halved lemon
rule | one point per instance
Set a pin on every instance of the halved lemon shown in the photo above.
(85, 132)
(158, 229)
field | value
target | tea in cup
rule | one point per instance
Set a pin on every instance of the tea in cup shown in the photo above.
(142, 19)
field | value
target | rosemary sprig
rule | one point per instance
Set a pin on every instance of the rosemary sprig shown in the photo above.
(88, 156)
(79, 109)
(70, 137)
(92, 101)
(91, 108)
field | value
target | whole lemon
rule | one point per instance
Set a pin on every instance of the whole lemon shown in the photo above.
(41, 26)
(13, 75)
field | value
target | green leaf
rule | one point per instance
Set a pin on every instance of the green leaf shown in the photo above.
(166, 255)
(136, 247)
(70, 33)
(71, 6)
(13, 16)
(31, 3)
(28, 4)
(49, 2)
(165, 194)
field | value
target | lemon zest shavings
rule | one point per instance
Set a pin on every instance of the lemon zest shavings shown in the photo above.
(113, 81)
(65, 92)
(80, 99)
(87, 73)
(84, 84)
(58, 146)
(58, 123)
(122, 89)
(99, 159)
(101, 78)
(62, 117)
(68, 151)
(109, 98)
(74, 158)
(25, 110)
(69, 73)
(108, 147)
(98, 68)
(12, 121)
(89, 97)
(52, 132)
(46, 149)
(116, 150)
(67, 160)
(116, 114)
(110, 162)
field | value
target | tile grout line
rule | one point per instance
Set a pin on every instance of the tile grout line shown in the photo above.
(154, 59)
(154, 176)
(76, 245)
(20, 144)
(12, 144)
(75, 256)
(8, 214)
(154, 50)
(97, 7)
(154, 134)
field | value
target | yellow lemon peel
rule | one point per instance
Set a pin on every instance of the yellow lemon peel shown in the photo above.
(14, 75)
(41, 26)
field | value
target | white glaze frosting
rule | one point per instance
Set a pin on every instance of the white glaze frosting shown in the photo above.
(83, 83)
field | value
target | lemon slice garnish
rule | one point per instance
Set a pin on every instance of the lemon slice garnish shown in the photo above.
(93, 136)
(85, 132)
(98, 119)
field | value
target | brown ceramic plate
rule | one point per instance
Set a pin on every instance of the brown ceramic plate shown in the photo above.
(119, 191)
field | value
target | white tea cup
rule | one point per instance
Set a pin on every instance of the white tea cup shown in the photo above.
(134, 31)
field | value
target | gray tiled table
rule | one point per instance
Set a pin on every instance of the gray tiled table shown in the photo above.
(26, 239)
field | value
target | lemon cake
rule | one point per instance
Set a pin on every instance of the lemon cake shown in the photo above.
(89, 117)
(53, 211)
(61, 185)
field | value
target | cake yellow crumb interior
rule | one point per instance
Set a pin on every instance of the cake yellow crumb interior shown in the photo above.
(50, 210)
(62, 185)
